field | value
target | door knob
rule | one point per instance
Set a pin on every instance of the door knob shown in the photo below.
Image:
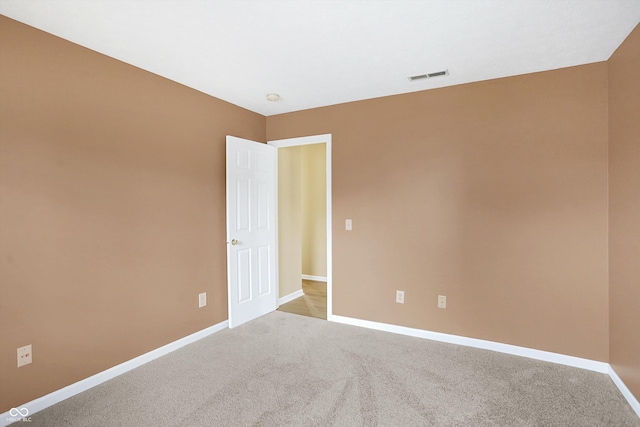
(234, 242)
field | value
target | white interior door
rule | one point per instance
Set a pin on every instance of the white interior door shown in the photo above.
(251, 230)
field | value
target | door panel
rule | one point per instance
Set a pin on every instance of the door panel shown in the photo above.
(243, 189)
(251, 229)
(264, 260)
(244, 275)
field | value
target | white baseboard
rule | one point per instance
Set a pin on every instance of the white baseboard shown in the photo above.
(562, 359)
(314, 278)
(94, 380)
(635, 405)
(293, 295)
(591, 365)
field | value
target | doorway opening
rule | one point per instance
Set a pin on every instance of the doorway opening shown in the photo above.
(304, 225)
(312, 303)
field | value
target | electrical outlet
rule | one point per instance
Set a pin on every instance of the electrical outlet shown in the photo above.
(24, 355)
(442, 301)
(202, 299)
(400, 297)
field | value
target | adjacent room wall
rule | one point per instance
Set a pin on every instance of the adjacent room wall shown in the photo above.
(289, 220)
(624, 211)
(314, 210)
(112, 218)
(492, 193)
(302, 207)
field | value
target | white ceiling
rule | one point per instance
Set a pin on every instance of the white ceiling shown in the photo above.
(323, 52)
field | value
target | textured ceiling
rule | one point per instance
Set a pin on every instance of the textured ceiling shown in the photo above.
(316, 53)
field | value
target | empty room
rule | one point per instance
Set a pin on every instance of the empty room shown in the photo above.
(450, 189)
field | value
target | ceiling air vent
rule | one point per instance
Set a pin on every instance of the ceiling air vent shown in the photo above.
(428, 76)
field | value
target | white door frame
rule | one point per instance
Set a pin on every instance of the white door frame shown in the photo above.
(306, 140)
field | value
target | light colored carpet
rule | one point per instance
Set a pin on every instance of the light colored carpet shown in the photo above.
(289, 370)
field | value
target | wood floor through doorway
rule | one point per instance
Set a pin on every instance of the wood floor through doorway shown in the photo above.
(312, 304)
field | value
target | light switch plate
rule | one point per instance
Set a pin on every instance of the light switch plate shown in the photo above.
(348, 225)
(202, 299)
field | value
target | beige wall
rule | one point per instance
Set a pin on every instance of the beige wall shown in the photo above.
(289, 220)
(492, 193)
(624, 211)
(112, 219)
(314, 210)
